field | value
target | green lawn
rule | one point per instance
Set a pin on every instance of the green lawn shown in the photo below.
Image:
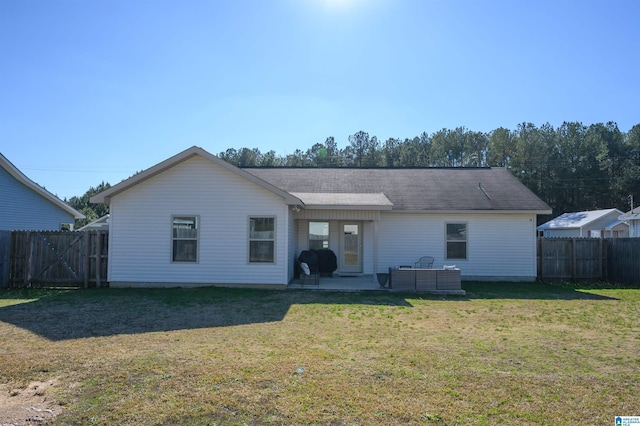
(504, 354)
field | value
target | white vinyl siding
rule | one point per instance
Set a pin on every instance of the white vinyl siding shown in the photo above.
(139, 252)
(367, 247)
(346, 215)
(562, 233)
(499, 246)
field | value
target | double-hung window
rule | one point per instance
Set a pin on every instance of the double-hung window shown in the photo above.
(262, 240)
(184, 239)
(456, 240)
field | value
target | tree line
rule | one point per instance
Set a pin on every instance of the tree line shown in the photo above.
(90, 210)
(573, 167)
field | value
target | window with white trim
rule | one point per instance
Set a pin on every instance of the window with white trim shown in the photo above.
(456, 240)
(262, 240)
(184, 238)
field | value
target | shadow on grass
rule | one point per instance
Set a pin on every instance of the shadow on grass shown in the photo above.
(537, 290)
(74, 314)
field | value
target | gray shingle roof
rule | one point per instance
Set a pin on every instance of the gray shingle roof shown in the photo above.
(427, 189)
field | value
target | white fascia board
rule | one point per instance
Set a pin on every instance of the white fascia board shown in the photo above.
(104, 197)
(349, 207)
(474, 211)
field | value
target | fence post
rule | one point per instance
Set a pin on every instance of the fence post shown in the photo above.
(86, 262)
(5, 257)
(541, 261)
(574, 260)
(28, 259)
(600, 262)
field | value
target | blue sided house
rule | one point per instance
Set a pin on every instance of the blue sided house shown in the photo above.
(25, 205)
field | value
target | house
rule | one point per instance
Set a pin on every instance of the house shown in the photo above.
(632, 219)
(195, 219)
(25, 205)
(592, 224)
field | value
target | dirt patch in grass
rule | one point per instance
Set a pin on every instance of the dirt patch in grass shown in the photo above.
(29, 404)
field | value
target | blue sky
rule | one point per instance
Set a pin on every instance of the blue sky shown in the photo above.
(94, 91)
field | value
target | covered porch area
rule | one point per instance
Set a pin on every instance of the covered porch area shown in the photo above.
(347, 226)
(337, 283)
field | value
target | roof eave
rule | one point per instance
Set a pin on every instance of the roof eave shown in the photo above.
(454, 211)
(22, 178)
(629, 217)
(105, 196)
(557, 228)
(348, 207)
(597, 218)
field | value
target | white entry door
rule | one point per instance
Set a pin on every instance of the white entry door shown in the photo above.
(351, 248)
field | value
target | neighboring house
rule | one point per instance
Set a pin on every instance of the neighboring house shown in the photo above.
(25, 205)
(100, 224)
(195, 219)
(592, 224)
(632, 218)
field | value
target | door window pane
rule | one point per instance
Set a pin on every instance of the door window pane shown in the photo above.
(351, 249)
(318, 235)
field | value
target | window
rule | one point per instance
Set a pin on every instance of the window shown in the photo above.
(456, 240)
(318, 235)
(262, 239)
(184, 239)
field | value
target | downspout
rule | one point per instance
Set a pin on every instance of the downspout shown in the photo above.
(286, 246)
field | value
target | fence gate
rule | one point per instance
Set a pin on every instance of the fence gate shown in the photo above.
(63, 259)
(5, 250)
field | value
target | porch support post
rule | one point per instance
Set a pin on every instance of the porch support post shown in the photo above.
(375, 250)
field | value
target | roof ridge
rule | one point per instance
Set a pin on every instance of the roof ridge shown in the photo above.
(364, 168)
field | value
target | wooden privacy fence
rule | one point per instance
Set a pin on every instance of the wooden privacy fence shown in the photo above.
(571, 258)
(575, 259)
(623, 260)
(54, 259)
(79, 259)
